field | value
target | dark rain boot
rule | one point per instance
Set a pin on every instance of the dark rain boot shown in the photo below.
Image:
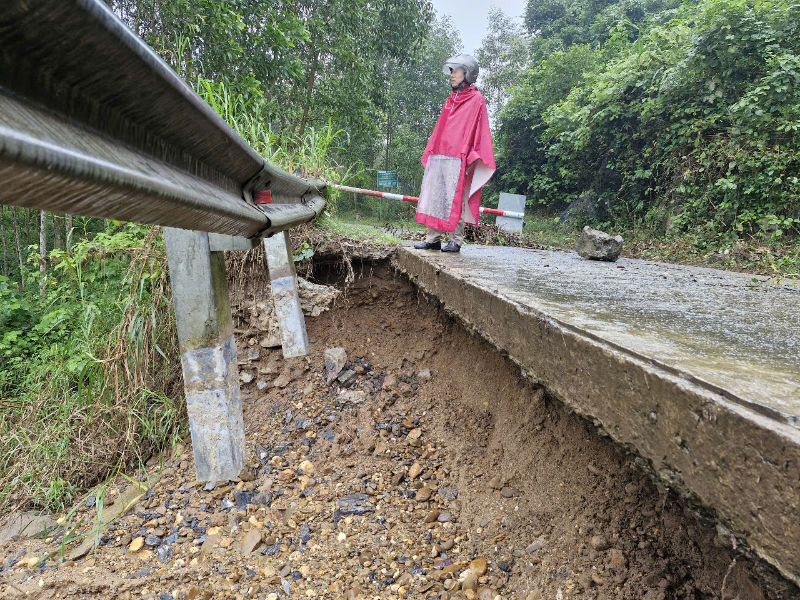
(451, 246)
(428, 245)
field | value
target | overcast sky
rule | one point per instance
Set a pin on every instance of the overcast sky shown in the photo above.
(470, 17)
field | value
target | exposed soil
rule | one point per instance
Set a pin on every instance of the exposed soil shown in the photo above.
(434, 456)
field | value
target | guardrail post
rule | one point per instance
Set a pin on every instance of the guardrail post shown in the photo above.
(294, 339)
(208, 354)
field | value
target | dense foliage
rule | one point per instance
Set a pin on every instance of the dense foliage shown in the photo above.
(90, 378)
(295, 65)
(683, 118)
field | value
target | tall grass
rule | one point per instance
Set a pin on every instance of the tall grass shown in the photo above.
(91, 382)
(310, 155)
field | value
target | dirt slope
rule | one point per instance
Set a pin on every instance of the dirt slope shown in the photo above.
(434, 471)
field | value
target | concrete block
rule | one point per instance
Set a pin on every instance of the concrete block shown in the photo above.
(294, 339)
(208, 354)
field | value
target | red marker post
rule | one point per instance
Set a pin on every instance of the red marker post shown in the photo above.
(414, 199)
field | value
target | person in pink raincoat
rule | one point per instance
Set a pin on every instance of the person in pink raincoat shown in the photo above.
(458, 160)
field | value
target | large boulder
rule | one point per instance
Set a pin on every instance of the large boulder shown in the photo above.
(598, 245)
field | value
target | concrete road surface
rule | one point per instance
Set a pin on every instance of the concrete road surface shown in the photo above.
(694, 369)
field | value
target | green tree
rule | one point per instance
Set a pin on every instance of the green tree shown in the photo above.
(522, 156)
(349, 52)
(418, 89)
(694, 125)
(558, 24)
(503, 55)
(251, 46)
(571, 40)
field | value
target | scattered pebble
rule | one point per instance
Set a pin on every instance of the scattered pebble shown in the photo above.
(599, 542)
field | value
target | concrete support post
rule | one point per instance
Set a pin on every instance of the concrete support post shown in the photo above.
(294, 339)
(208, 354)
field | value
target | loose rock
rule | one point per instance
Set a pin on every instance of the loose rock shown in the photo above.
(431, 516)
(479, 566)
(486, 593)
(599, 542)
(335, 360)
(352, 397)
(165, 553)
(470, 582)
(347, 378)
(354, 504)
(250, 541)
(423, 494)
(598, 245)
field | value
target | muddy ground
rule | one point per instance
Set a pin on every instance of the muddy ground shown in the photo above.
(430, 469)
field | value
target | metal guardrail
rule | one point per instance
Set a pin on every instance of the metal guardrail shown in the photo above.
(94, 123)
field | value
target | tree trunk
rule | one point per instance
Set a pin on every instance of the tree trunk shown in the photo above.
(289, 104)
(388, 133)
(58, 231)
(309, 93)
(3, 235)
(42, 250)
(68, 245)
(30, 226)
(19, 251)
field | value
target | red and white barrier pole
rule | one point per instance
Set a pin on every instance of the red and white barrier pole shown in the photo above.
(387, 195)
(414, 199)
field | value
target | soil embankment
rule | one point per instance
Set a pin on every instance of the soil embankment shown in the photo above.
(432, 469)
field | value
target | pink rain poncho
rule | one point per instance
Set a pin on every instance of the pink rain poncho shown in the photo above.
(458, 162)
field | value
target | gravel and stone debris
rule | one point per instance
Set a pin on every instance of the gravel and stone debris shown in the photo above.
(431, 471)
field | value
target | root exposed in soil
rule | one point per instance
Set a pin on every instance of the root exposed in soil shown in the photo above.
(429, 455)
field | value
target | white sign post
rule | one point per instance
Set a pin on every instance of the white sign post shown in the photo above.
(513, 203)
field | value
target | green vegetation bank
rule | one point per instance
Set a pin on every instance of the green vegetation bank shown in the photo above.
(666, 119)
